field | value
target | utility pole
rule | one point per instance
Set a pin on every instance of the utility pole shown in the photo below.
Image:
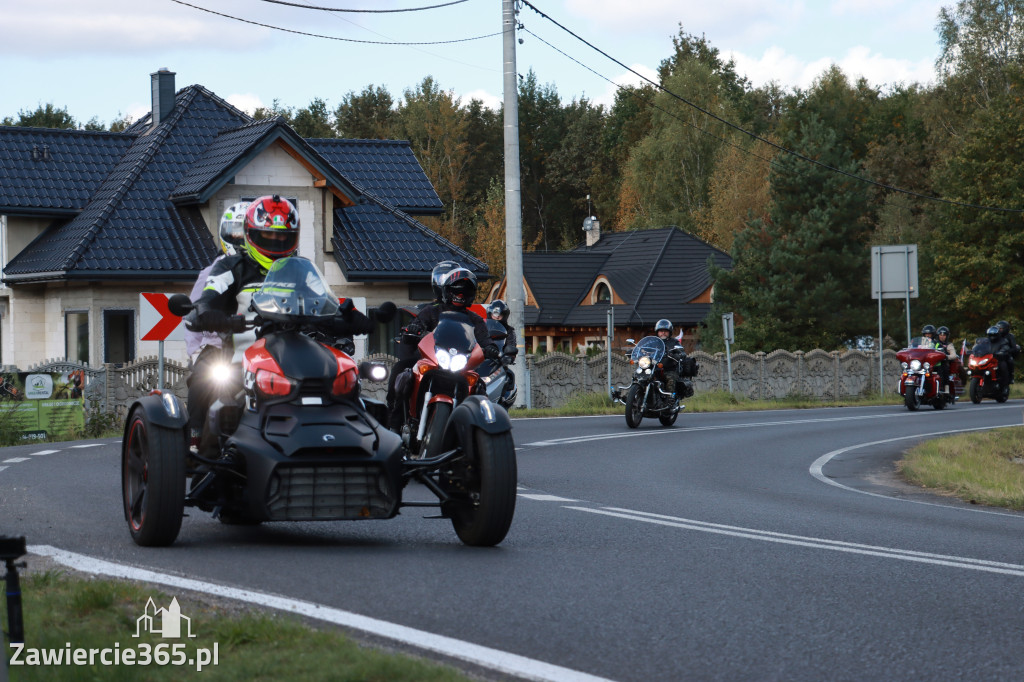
(513, 197)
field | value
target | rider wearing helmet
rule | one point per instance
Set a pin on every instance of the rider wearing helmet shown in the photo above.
(1001, 350)
(498, 310)
(943, 343)
(674, 353)
(928, 332)
(438, 273)
(1004, 331)
(204, 347)
(270, 230)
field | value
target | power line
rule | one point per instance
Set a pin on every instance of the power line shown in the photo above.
(766, 141)
(347, 40)
(365, 11)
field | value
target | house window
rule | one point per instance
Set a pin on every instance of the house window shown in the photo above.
(602, 294)
(76, 336)
(118, 336)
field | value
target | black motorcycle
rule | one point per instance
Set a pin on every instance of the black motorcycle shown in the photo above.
(645, 396)
(298, 443)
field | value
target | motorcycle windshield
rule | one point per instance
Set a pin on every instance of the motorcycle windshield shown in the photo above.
(982, 346)
(649, 346)
(294, 290)
(922, 342)
(454, 334)
(496, 329)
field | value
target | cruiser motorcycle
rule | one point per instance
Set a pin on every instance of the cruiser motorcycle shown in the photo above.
(298, 442)
(920, 382)
(644, 397)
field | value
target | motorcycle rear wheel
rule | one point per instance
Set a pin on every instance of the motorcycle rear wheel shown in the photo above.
(976, 391)
(634, 406)
(1003, 395)
(491, 481)
(152, 481)
(911, 399)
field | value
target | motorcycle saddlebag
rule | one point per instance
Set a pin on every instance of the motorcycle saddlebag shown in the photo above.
(688, 367)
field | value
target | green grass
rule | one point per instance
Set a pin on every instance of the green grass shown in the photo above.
(982, 468)
(60, 609)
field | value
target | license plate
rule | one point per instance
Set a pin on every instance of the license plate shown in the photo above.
(910, 382)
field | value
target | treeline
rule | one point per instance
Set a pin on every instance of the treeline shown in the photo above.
(797, 185)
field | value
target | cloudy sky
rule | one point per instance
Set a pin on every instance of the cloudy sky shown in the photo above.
(95, 56)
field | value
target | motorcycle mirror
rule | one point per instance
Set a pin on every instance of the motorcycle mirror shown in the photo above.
(180, 305)
(385, 312)
(632, 341)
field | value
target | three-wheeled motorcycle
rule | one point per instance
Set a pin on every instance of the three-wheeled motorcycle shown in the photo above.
(298, 442)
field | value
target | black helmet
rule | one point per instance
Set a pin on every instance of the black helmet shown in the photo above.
(928, 329)
(439, 271)
(993, 333)
(498, 305)
(1004, 327)
(458, 288)
(942, 330)
(663, 324)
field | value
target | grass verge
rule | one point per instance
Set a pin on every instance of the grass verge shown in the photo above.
(980, 468)
(64, 613)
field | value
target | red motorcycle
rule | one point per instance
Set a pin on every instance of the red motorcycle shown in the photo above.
(459, 442)
(983, 370)
(920, 383)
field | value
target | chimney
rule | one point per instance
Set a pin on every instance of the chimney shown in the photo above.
(163, 94)
(592, 226)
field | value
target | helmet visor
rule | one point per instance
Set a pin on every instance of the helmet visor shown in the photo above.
(274, 241)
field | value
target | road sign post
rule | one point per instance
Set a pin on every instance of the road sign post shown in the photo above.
(728, 331)
(893, 275)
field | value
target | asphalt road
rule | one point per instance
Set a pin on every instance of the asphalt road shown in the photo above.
(732, 546)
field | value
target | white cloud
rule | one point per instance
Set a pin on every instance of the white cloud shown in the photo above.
(490, 100)
(247, 101)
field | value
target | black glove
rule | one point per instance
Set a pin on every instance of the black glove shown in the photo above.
(507, 360)
(215, 321)
(415, 328)
(346, 306)
(491, 352)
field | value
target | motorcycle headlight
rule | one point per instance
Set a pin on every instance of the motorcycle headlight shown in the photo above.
(904, 365)
(453, 362)
(221, 372)
(927, 366)
(915, 364)
(644, 362)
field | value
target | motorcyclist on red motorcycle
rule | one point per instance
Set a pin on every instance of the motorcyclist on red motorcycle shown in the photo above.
(1004, 331)
(458, 289)
(1001, 350)
(271, 232)
(944, 344)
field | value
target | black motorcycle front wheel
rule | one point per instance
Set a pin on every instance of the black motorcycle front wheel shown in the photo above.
(976, 390)
(152, 481)
(490, 478)
(911, 399)
(634, 406)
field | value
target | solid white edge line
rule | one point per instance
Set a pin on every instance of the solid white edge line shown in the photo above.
(818, 464)
(486, 657)
(812, 544)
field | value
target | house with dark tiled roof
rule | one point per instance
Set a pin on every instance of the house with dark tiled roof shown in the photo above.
(90, 220)
(642, 275)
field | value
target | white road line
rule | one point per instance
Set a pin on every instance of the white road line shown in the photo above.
(2, 468)
(44, 452)
(546, 498)
(88, 445)
(818, 465)
(492, 659)
(15, 460)
(813, 543)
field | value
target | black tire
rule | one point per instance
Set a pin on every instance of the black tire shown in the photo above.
(668, 419)
(492, 479)
(911, 399)
(976, 392)
(939, 402)
(433, 436)
(634, 406)
(152, 481)
(1003, 395)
